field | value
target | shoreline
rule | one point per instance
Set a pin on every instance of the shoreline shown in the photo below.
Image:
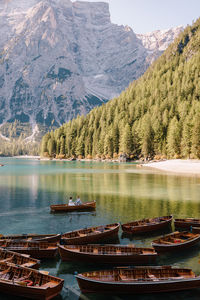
(179, 166)
(173, 166)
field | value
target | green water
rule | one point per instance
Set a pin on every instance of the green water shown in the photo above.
(123, 193)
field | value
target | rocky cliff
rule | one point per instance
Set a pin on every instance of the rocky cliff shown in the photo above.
(157, 41)
(59, 59)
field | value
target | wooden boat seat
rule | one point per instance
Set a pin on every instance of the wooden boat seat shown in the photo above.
(153, 277)
(124, 278)
(49, 284)
(178, 277)
(4, 272)
(165, 242)
(18, 247)
(177, 240)
(82, 234)
(28, 264)
(6, 259)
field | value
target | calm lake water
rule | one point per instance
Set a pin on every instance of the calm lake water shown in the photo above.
(123, 193)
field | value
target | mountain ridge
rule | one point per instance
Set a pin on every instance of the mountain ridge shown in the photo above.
(157, 116)
(60, 59)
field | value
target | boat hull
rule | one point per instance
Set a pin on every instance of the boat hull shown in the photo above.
(175, 247)
(92, 286)
(122, 259)
(182, 223)
(92, 238)
(195, 229)
(35, 253)
(25, 282)
(18, 259)
(139, 229)
(30, 292)
(51, 238)
(71, 208)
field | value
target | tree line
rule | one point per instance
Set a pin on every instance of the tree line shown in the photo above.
(157, 116)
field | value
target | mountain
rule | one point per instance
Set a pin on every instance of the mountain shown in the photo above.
(157, 41)
(157, 116)
(59, 59)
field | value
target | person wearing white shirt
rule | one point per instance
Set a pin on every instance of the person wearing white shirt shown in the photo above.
(71, 203)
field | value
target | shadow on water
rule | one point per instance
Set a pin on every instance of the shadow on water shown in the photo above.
(193, 295)
(14, 297)
(92, 213)
(182, 258)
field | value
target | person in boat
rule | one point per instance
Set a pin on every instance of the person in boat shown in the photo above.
(71, 203)
(78, 201)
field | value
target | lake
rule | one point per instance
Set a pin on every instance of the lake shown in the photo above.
(123, 193)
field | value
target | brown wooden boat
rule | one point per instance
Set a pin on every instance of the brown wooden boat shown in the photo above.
(28, 283)
(176, 241)
(22, 260)
(91, 234)
(138, 280)
(147, 225)
(33, 248)
(69, 208)
(50, 238)
(195, 229)
(108, 254)
(186, 223)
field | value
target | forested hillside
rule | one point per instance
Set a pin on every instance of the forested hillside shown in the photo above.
(158, 115)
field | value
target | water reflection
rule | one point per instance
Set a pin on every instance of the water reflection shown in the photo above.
(123, 193)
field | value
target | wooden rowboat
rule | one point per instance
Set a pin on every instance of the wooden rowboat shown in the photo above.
(176, 241)
(195, 229)
(138, 280)
(186, 223)
(18, 259)
(70, 208)
(107, 254)
(33, 248)
(90, 235)
(50, 238)
(28, 283)
(147, 225)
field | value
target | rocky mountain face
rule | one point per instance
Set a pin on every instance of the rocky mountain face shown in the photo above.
(59, 59)
(157, 41)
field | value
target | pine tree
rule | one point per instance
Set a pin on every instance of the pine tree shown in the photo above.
(146, 134)
(62, 145)
(115, 138)
(126, 143)
(186, 139)
(44, 148)
(51, 146)
(196, 137)
(173, 138)
(108, 145)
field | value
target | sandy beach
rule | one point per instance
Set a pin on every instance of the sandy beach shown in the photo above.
(188, 166)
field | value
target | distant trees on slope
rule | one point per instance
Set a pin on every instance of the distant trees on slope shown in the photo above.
(158, 115)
